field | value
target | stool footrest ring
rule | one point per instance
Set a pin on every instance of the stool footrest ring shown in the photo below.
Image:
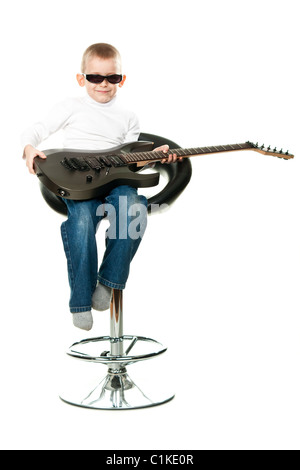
(79, 350)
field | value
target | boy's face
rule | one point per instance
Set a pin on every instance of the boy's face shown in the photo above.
(105, 91)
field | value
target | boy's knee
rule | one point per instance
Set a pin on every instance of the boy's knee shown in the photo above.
(81, 218)
(127, 213)
(134, 198)
(126, 196)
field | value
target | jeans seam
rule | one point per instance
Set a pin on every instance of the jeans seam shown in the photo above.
(80, 309)
(113, 285)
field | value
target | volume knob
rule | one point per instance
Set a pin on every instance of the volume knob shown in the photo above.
(89, 178)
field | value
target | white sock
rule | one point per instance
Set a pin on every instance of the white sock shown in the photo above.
(101, 298)
(83, 320)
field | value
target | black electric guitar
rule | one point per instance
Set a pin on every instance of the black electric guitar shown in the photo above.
(88, 174)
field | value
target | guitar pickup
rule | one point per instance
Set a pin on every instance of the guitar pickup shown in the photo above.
(75, 164)
(79, 164)
(94, 164)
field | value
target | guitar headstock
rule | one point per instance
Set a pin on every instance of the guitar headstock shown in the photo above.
(269, 151)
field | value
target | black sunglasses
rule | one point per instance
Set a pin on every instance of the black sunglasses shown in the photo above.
(114, 79)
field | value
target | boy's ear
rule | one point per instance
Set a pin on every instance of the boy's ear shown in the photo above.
(80, 79)
(123, 81)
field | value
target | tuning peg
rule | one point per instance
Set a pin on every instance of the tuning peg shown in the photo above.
(280, 151)
(262, 147)
(287, 152)
(256, 145)
(274, 149)
(269, 148)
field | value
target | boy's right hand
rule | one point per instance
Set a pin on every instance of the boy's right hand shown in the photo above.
(29, 155)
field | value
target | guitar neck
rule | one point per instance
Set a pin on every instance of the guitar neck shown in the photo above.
(143, 158)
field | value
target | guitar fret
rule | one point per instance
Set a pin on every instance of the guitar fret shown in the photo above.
(150, 155)
(124, 157)
(178, 152)
(129, 157)
(159, 155)
(135, 157)
(142, 156)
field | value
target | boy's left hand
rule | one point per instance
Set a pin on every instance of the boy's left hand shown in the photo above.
(172, 158)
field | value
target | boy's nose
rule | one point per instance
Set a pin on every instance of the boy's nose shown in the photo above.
(104, 83)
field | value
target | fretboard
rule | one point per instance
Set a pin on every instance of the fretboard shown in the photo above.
(139, 157)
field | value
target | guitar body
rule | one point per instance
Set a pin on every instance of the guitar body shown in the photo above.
(62, 175)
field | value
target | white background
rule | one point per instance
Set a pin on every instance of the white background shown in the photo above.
(217, 276)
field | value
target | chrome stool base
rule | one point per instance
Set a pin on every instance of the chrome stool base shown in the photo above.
(116, 391)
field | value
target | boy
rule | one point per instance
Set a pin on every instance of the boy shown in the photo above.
(94, 122)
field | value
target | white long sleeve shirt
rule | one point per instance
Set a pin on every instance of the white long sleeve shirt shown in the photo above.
(87, 124)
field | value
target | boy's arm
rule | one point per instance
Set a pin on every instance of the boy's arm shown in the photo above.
(32, 136)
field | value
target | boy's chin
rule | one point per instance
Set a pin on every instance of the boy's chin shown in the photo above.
(102, 97)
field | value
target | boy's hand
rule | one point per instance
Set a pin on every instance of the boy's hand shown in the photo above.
(29, 155)
(172, 158)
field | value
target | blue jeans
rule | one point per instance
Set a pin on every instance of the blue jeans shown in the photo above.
(127, 214)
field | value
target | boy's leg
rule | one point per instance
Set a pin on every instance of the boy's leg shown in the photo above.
(78, 234)
(127, 213)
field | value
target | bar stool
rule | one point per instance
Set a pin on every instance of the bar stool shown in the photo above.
(116, 390)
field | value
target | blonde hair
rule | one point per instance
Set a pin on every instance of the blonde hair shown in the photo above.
(101, 50)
